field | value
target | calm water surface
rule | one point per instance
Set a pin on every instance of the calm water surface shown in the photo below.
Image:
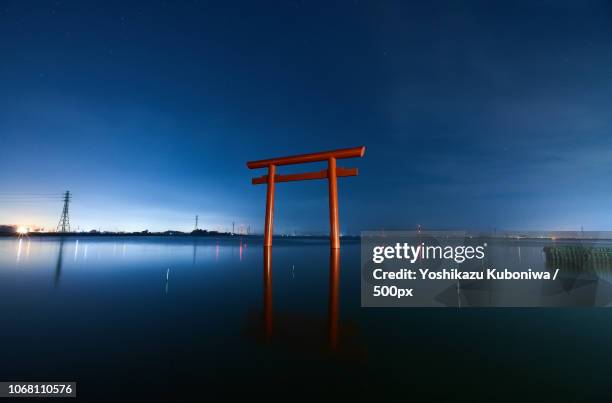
(168, 317)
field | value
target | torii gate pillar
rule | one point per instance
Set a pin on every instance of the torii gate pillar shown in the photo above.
(269, 206)
(334, 225)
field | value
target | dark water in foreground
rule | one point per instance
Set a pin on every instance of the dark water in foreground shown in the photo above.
(101, 313)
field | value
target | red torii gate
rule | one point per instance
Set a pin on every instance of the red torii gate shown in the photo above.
(331, 173)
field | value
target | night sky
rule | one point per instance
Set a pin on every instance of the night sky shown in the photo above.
(475, 114)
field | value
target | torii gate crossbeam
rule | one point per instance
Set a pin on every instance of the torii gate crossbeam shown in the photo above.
(331, 174)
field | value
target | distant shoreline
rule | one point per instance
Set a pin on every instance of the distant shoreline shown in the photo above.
(214, 234)
(178, 234)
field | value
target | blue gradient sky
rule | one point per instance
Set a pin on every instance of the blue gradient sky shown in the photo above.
(475, 115)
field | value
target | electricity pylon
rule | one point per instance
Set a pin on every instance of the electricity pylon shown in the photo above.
(64, 222)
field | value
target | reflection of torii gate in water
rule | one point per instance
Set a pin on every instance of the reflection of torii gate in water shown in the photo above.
(333, 306)
(331, 173)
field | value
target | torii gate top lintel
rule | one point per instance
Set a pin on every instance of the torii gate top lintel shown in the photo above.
(355, 152)
(331, 174)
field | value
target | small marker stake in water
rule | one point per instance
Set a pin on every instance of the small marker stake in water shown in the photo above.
(458, 296)
(167, 276)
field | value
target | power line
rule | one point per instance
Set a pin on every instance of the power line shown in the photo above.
(6, 194)
(31, 196)
(29, 201)
(31, 193)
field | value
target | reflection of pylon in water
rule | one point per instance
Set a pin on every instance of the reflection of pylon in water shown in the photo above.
(64, 222)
